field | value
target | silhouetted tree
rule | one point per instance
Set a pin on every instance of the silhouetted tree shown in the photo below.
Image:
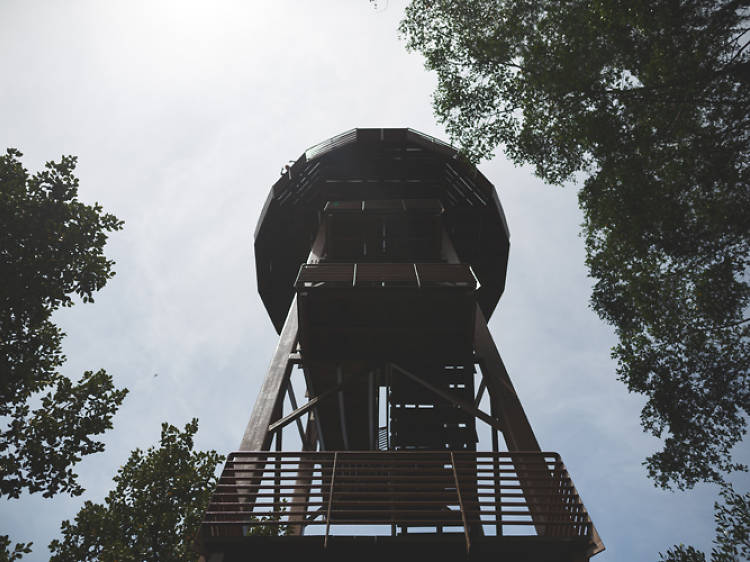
(648, 104)
(51, 248)
(732, 541)
(153, 511)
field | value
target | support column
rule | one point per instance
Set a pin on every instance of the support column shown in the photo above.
(271, 395)
(516, 427)
(517, 430)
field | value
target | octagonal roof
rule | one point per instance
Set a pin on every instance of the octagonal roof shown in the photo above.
(379, 164)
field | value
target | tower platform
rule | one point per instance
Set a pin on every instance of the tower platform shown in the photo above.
(386, 311)
(363, 504)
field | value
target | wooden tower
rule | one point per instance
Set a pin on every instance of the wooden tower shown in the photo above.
(380, 255)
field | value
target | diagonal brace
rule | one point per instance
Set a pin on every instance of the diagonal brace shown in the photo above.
(293, 400)
(453, 400)
(289, 418)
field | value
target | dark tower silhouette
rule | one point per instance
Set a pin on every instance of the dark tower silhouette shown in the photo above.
(380, 255)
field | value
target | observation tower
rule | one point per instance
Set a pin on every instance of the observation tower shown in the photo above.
(380, 256)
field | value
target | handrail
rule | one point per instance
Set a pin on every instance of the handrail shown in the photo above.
(337, 275)
(455, 490)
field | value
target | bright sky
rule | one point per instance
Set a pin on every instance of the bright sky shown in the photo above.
(182, 113)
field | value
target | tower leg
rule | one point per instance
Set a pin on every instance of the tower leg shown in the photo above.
(518, 434)
(517, 430)
(268, 406)
(297, 513)
(257, 437)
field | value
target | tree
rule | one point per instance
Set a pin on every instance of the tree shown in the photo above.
(19, 549)
(154, 510)
(682, 553)
(648, 105)
(51, 248)
(732, 541)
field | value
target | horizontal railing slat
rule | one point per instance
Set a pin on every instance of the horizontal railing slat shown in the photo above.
(402, 488)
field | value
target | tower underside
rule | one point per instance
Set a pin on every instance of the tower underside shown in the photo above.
(380, 256)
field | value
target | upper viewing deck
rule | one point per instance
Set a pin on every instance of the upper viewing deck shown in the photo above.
(380, 165)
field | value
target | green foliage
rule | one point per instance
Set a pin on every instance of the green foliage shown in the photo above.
(51, 248)
(649, 101)
(39, 449)
(19, 549)
(259, 529)
(154, 510)
(682, 553)
(732, 527)
(732, 541)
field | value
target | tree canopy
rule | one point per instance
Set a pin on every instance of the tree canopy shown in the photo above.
(154, 510)
(51, 248)
(732, 541)
(647, 104)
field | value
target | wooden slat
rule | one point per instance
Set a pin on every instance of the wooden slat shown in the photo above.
(415, 275)
(403, 488)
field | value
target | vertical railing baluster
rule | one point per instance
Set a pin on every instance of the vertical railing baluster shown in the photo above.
(461, 504)
(498, 491)
(277, 479)
(330, 499)
(235, 504)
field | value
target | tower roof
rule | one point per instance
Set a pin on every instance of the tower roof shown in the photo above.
(366, 164)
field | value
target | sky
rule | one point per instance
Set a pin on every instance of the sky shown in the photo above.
(182, 114)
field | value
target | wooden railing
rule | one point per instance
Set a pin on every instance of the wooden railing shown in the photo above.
(392, 491)
(416, 275)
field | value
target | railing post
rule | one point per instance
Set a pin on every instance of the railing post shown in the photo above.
(391, 488)
(330, 499)
(277, 479)
(461, 503)
(498, 491)
(303, 485)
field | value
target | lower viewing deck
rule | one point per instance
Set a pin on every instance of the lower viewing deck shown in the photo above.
(402, 504)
